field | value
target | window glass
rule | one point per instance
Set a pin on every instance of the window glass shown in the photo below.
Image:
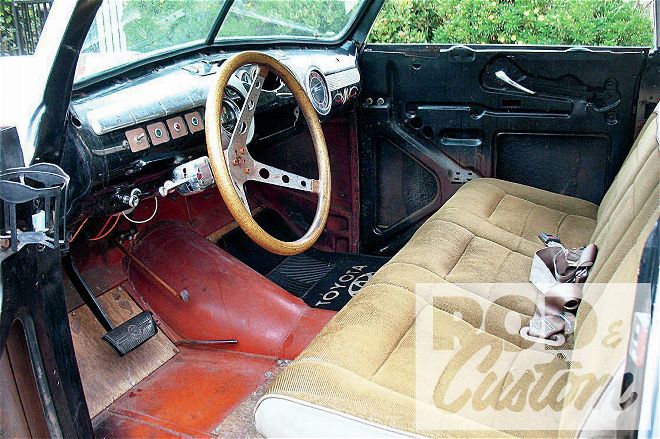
(546, 22)
(317, 19)
(126, 30)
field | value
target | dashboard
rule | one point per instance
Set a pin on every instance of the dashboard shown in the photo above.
(132, 134)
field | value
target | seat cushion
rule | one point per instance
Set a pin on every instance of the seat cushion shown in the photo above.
(358, 378)
(478, 241)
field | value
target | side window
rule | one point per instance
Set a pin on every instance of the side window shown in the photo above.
(544, 22)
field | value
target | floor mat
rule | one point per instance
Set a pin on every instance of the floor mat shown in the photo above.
(239, 245)
(323, 280)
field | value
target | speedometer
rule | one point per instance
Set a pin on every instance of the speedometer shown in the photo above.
(318, 91)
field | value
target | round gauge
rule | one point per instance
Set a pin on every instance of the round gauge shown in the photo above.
(318, 92)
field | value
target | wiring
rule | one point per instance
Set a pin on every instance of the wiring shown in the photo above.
(102, 229)
(102, 234)
(80, 227)
(105, 231)
(146, 220)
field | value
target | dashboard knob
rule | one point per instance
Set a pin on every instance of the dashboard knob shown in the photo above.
(339, 98)
(353, 92)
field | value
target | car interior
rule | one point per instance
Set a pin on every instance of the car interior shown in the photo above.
(248, 227)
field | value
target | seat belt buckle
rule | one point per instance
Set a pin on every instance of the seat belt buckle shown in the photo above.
(544, 327)
(548, 329)
(546, 238)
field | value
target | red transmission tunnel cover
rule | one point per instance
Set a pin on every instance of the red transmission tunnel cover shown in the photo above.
(227, 299)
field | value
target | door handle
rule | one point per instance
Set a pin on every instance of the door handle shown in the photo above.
(502, 76)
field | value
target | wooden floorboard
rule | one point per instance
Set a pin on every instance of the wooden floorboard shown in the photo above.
(105, 375)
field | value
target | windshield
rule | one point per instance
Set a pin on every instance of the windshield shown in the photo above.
(125, 31)
(317, 19)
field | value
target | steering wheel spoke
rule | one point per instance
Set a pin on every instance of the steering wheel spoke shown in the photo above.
(278, 177)
(239, 163)
(240, 190)
(245, 119)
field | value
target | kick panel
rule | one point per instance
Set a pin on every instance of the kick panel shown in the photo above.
(406, 186)
(557, 118)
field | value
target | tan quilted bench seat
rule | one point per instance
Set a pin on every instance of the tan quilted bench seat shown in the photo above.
(357, 377)
(476, 237)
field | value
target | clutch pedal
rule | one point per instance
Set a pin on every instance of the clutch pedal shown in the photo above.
(123, 338)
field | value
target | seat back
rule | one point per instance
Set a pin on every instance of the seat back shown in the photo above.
(629, 202)
(626, 217)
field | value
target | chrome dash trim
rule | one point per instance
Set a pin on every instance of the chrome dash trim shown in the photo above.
(345, 78)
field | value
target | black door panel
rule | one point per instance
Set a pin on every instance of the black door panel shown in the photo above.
(434, 117)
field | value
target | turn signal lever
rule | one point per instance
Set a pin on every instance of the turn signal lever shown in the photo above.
(189, 178)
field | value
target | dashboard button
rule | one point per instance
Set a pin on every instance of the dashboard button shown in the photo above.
(158, 133)
(177, 127)
(195, 122)
(137, 139)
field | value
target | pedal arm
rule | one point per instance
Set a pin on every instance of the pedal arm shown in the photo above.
(86, 293)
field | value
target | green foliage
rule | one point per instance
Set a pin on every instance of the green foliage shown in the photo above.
(21, 22)
(7, 35)
(551, 22)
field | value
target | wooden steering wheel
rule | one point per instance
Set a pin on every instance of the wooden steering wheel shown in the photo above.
(233, 165)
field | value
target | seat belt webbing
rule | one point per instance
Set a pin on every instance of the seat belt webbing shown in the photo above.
(558, 272)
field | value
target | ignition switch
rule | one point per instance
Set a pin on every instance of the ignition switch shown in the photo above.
(131, 200)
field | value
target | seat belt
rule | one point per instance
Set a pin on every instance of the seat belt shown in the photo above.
(558, 272)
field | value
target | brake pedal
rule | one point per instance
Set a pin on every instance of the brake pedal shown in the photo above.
(132, 333)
